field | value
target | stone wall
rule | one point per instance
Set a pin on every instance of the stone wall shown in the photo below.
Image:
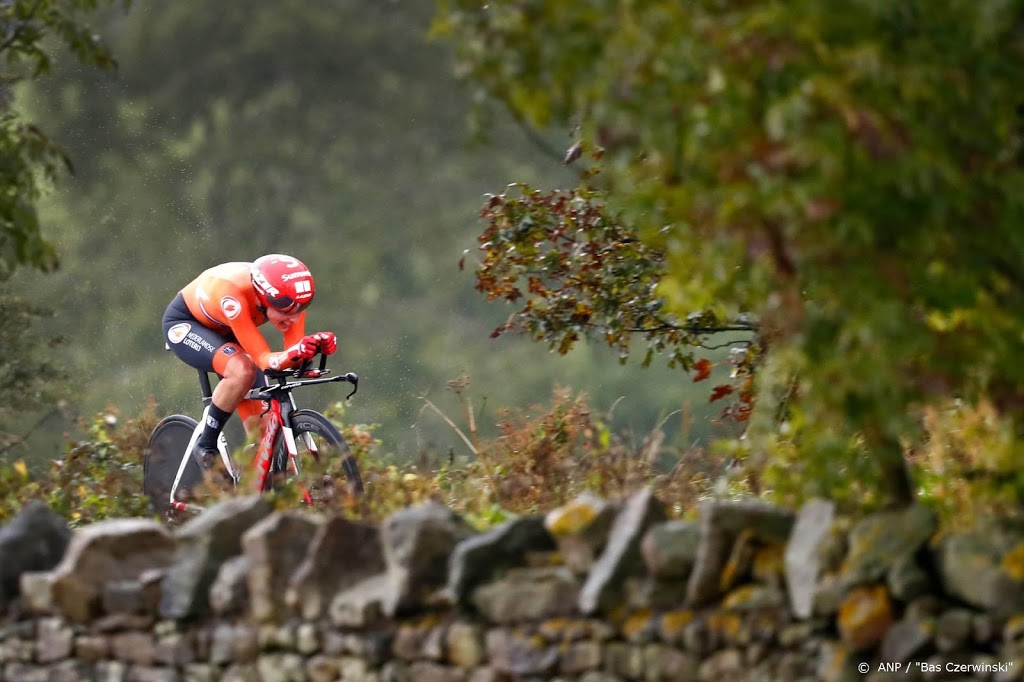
(596, 591)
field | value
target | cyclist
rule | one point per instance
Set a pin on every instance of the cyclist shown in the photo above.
(212, 325)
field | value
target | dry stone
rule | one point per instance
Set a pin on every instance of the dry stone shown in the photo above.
(670, 549)
(341, 554)
(464, 644)
(203, 544)
(621, 556)
(907, 639)
(133, 647)
(883, 540)
(55, 640)
(417, 544)
(803, 557)
(362, 604)
(722, 522)
(528, 594)
(478, 557)
(229, 593)
(580, 529)
(984, 569)
(424, 671)
(514, 653)
(953, 630)
(275, 547)
(864, 617)
(118, 549)
(34, 540)
(37, 592)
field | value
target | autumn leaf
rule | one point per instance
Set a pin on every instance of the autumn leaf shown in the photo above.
(720, 392)
(702, 368)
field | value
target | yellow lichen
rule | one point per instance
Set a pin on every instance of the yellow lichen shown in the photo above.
(571, 518)
(1014, 628)
(739, 597)
(636, 623)
(673, 623)
(739, 560)
(1013, 562)
(724, 623)
(769, 562)
(864, 617)
(554, 628)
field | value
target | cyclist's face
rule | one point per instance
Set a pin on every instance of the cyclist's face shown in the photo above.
(282, 321)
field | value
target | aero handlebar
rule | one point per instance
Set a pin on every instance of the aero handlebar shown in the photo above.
(304, 376)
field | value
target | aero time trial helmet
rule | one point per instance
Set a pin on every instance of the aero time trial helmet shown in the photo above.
(282, 283)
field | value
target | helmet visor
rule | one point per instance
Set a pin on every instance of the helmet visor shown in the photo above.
(291, 308)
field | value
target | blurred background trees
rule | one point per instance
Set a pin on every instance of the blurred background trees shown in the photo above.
(336, 134)
(30, 161)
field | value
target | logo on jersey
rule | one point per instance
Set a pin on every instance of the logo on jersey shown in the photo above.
(228, 349)
(176, 333)
(230, 306)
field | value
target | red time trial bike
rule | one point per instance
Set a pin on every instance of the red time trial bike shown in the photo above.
(172, 469)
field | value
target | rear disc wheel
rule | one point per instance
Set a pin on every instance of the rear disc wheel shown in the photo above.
(162, 458)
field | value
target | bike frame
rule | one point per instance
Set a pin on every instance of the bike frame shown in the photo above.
(277, 424)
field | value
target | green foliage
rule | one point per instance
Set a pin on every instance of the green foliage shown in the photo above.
(29, 160)
(850, 174)
(543, 457)
(35, 382)
(584, 275)
(96, 478)
(967, 463)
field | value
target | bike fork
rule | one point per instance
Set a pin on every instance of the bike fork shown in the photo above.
(293, 459)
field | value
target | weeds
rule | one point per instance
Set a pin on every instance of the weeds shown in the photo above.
(541, 457)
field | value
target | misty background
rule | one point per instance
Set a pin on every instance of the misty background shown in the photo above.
(333, 132)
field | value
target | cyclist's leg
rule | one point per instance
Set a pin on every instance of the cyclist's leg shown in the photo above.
(251, 412)
(208, 350)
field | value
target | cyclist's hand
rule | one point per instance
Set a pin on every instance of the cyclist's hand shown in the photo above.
(304, 349)
(328, 342)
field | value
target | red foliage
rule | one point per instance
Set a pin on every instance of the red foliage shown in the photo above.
(720, 392)
(702, 368)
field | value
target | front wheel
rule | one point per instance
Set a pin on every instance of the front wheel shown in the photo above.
(318, 440)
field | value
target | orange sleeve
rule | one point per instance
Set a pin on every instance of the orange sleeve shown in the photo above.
(252, 341)
(256, 346)
(225, 302)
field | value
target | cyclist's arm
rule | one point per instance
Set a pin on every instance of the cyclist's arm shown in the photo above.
(256, 346)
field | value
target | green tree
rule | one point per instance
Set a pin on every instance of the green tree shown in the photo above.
(29, 162)
(334, 133)
(28, 158)
(30, 370)
(849, 173)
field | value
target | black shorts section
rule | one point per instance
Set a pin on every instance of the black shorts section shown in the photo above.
(190, 341)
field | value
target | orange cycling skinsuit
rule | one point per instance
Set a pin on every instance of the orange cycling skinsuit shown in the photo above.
(212, 325)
